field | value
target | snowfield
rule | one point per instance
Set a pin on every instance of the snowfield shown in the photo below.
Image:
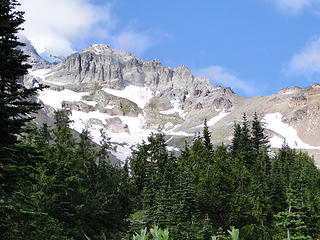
(273, 122)
(55, 98)
(138, 95)
(81, 120)
(43, 74)
(211, 122)
(135, 136)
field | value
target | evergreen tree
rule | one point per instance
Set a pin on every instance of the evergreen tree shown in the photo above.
(246, 143)
(16, 162)
(216, 188)
(259, 139)
(206, 136)
(291, 221)
(236, 141)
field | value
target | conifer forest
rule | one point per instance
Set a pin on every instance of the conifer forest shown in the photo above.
(56, 184)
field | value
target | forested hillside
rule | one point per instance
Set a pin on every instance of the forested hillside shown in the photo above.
(56, 186)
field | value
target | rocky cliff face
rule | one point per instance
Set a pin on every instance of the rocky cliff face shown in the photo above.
(112, 89)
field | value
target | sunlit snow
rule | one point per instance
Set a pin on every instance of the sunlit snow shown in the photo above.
(94, 121)
(136, 133)
(214, 120)
(55, 98)
(40, 73)
(138, 95)
(96, 49)
(43, 74)
(287, 93)
(177, 108)
(273, 122)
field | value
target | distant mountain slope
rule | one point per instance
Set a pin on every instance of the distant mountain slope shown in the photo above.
(112, 89)
(34, 59)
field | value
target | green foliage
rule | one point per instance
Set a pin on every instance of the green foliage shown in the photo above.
(77, 189)
(159, 234)
(197, 195)
(54, 186)
(18, 160)
(207, 136)
(259, 139)
(156, 233)
(233, 235)
(167, 191)
(291, 222)
(142, 236)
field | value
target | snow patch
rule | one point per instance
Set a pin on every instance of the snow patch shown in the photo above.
(215, 119)
(81, 120)
(172, 149)
(96, 49)
(135, 136)
(178, 133)
(177, 108)
(287, 93)
(55, 98)
(138, 95)
(43, 74)
(273, 122)
(109, 107)
(276, 142)
(40, 73)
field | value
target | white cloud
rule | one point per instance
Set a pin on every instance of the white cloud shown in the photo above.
(295, 6)
(132, 41)
(222, 76)
(53, 24)
(58, 25)
(306, 61)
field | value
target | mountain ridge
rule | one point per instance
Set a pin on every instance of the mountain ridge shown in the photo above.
(130, 98)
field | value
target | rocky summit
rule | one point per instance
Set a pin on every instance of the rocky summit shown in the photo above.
(130, 98)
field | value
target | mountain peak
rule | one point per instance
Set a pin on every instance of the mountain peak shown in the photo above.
(98, 48)
(105, 49)
(34, 58)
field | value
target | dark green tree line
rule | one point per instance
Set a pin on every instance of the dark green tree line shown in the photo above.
(240, 185)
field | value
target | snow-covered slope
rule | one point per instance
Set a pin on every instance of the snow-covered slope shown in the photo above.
(285, 133)
(138, 95)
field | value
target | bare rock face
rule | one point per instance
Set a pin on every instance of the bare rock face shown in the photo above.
(78, 106)
(115, 125)
(222, 103)
(112, 68)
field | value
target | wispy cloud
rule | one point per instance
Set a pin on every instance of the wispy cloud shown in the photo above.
(222, 76)
(295, 7)
(306, 61)
(132, 41)
(57, 25)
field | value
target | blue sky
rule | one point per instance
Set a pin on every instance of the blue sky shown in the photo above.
(256, 47)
